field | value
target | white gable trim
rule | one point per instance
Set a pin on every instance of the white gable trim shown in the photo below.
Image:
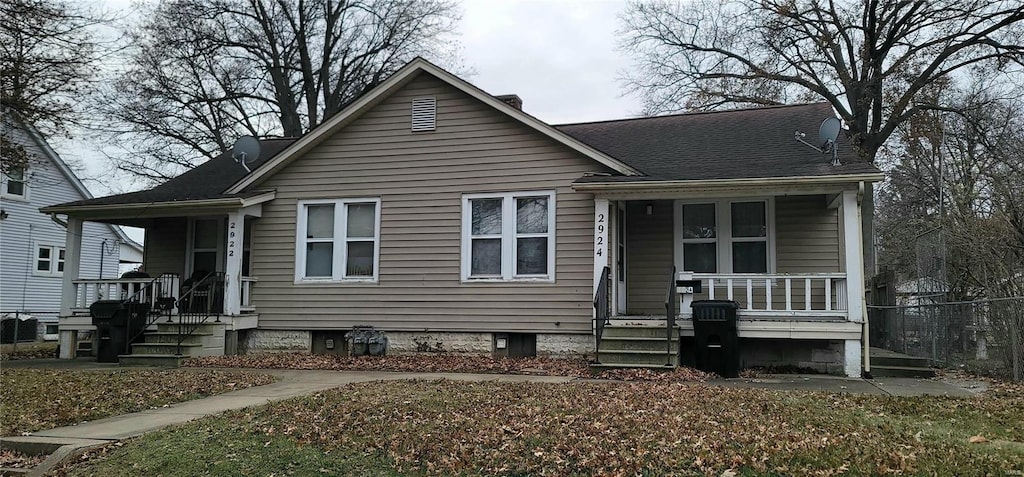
(392, 84)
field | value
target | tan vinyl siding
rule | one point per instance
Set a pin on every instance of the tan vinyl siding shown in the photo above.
(806, 235)
(806, 241)
(165, 247)
(648, 256)
(420, 178)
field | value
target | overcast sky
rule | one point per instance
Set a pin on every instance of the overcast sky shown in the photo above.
(560, 57)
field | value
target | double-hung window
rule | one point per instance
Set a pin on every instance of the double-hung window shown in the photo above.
(15, 185)
(49, 260)
(338, 240)
(508, 236)
(725, 236)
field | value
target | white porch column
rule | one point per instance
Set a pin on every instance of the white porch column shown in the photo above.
(600, 241)
(233, 263)
(853, 250)
(72, 265)
(852, 358)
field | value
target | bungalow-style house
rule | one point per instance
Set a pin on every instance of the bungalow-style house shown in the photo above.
(449, 219)
(33, 254)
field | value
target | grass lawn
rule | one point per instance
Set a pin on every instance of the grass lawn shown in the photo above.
(456, 428)
(35, 399)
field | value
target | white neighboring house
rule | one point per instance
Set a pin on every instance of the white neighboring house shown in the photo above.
(32, 244)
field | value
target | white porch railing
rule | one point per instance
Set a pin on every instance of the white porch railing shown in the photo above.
(776, 294)
(90, 290)
(247, 282)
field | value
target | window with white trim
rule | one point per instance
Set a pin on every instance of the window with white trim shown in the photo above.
(509, 236)
(15, 185)
(725, 236)
(49, 260)
(338, 240)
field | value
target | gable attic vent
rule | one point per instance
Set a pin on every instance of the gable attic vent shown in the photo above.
(424, 114)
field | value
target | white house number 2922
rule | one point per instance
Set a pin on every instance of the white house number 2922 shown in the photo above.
(231, 239)
(599, 228)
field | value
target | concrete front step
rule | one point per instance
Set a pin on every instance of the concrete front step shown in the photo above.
(596, 368)
(637, 344)
(904, 361)
(208, 327)
(638, 332)
(901, 371)
(172, 337)
(187, 349)
(161, 360)
(638, 357)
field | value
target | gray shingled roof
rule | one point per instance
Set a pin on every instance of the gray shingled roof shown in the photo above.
(746, 143)
(209, 180)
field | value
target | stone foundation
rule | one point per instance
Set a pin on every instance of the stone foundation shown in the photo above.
(263, 341)
(407, 342)
(822, 356)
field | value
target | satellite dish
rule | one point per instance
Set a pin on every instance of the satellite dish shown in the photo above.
(827, 133)
(246, 148)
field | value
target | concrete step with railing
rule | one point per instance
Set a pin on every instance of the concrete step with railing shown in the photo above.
(637, 347)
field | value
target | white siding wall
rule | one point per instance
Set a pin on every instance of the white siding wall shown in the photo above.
(25, 228)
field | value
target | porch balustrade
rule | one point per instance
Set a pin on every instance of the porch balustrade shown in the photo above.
(776, 294)
(89, 290)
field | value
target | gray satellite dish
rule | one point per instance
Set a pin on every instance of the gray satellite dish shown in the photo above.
(246, 148)
(828, 132)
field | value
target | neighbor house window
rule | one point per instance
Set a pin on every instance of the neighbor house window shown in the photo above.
(725, 236)
(15, 185)
(338, 240)
(49, 260)
(508, 236)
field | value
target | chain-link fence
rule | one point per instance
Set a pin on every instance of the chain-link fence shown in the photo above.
(985, 336)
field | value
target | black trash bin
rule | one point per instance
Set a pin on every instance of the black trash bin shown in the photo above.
(103, 313)
(717, 343)
(117, 323)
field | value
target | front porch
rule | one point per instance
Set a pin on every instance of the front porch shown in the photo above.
(782, 257)
(194, 278)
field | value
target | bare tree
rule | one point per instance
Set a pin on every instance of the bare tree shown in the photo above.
(48, 56)
(870, 59)
(204, 72)
(960, 177)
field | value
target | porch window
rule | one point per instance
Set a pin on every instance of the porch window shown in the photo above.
(508, 236)
(725, 236)
(338, 240)
(15, 186)
(49, 260)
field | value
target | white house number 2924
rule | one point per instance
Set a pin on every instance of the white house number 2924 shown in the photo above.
(599, 228)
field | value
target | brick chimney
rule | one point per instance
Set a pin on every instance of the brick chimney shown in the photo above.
(512, 100)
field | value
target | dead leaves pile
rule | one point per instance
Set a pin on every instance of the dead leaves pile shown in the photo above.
(453, 428)
(34, 399)
(443, 363)
(28, 351)
(425, 363)
(17, 460)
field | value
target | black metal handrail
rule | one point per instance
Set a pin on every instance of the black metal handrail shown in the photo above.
(203, 299)
(671, 299)
(160, 286)
(602, 310)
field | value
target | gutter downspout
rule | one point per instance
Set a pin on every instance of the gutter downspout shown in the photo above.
(865, 337)
(59, 221)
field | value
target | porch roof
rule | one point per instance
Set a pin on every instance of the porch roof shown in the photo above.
(206, 182)
(738, 144)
